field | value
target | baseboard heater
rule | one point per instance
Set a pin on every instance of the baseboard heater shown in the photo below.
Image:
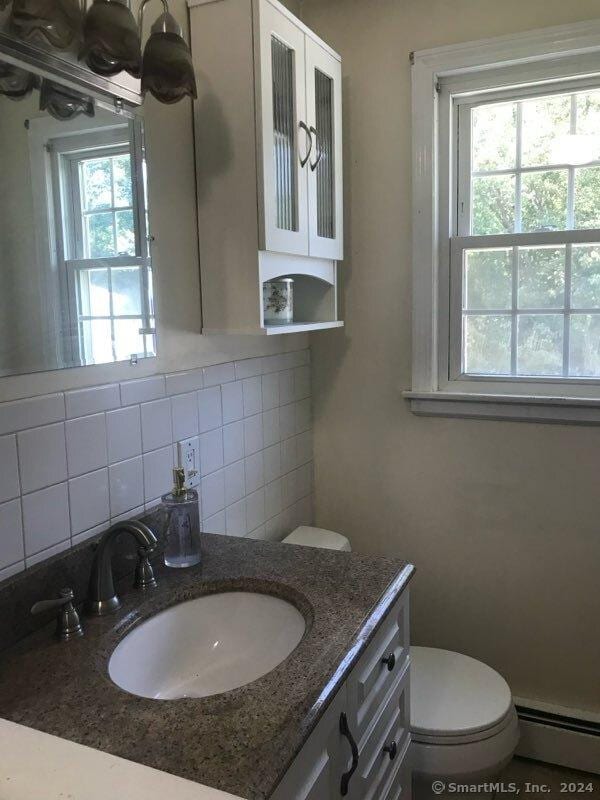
(558, 739)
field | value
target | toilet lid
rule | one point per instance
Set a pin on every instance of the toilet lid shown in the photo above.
(454, 695)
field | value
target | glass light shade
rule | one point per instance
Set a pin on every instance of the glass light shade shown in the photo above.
(15, 82)
(54, 22)
(111, 39)
(168, 71)
(63, 103)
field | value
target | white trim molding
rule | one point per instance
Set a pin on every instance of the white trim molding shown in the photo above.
(565, 50)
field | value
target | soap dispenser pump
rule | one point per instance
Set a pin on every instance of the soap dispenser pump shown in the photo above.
(182, 548)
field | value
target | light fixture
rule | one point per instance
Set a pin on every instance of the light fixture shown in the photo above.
(64, 103)
(111, 39)
(54, 22)
(16, 83)
(167, 68)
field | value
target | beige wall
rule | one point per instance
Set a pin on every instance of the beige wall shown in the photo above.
(173, 219)
(502, 519)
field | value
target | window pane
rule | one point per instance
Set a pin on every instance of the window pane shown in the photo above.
(587, 197)
(584, 345)
(585, 276)
(94, 295)
(97, 180)
(488, 279)
(494, 134)
(100, 242)
(544, 201)
(128, 340)
(588, 113)
(487, 344)
(125, 233)
(544, 119)
(541, 277)
(493, 204)
(540, 344)
(122, 180)
(97, 342)
(127, 298)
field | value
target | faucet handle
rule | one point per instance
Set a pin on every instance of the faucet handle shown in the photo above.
(144, 574)
(68, 625)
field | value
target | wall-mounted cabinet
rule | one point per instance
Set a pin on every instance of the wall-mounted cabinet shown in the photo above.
(269, 165)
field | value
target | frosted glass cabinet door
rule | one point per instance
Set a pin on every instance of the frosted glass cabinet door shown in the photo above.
(324, 110)
(285, 134)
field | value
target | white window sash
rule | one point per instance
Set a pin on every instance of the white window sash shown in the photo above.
(473, 68)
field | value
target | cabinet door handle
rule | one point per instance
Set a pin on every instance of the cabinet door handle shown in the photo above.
(303, 126)
(345, 731)
(391, 749)
(314, 165)
(390, 661)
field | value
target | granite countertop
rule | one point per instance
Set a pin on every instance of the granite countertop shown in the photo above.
(241, 741)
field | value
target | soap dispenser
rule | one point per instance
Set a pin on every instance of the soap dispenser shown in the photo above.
(182, 548)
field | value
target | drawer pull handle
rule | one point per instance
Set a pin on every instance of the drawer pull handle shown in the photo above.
(391, 749)
(390, 661)
(345, 731)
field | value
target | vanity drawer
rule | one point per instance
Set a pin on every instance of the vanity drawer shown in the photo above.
(377, 767)
(400, 783)
(378, 669)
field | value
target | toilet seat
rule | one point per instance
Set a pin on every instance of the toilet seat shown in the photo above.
(463, 720)
(318, 537)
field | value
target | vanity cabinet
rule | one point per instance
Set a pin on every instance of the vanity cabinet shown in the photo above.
(364, 734)
(268, 132)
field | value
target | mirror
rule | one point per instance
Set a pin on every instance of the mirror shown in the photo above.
(75, 261)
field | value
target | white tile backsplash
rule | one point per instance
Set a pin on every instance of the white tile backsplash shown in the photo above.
(31, 413)
(220, 373)
(211, 451)
(270, 391)
(158, 473)
(82, 402)
(184, 410)
(255, 472)
(9, 469)
(253, 434)
(89, 500)
(233, 401)
(235, 483)
(157, 429)
(46, 518)
(143, 390)
(209, 409)
(62, 482)
(235, 519)
(86, 444)
(252, 391)
(233, 442)
(126, 486)
(124, 433)
(11, 534)
(42, 457)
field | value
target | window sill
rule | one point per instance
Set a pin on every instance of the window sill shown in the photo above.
(516, 407)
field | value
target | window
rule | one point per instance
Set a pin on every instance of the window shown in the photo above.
(506, 245)
(527, 187)
(104, 244)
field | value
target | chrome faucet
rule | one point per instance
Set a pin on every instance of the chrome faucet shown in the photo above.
(102, 596)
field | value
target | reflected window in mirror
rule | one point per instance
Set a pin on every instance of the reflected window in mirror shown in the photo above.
(76, 274)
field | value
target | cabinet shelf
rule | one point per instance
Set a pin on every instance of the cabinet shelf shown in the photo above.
(301, 327)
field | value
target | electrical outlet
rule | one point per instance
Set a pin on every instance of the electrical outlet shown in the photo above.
(188, 456)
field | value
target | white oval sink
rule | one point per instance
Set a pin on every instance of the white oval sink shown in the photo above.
(207, 646)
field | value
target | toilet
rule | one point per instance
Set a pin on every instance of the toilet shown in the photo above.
(464, 726)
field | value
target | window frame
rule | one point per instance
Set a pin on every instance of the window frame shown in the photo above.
(557, 57)
(65, 155)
